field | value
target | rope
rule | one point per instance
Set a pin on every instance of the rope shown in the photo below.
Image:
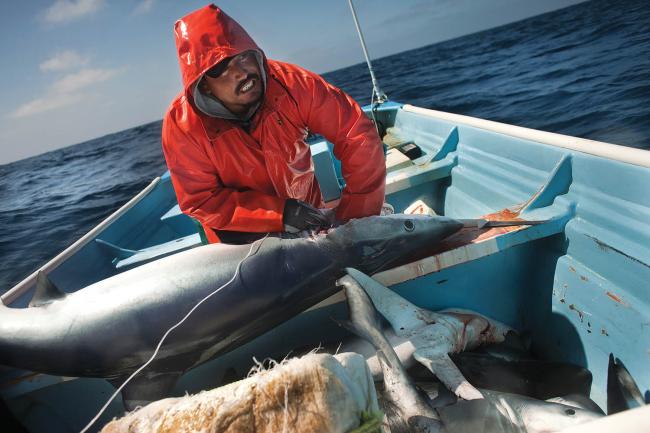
(101, 411)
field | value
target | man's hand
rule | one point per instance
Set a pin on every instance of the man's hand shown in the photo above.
(298, 216)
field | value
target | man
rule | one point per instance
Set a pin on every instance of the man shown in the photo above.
(234, 139)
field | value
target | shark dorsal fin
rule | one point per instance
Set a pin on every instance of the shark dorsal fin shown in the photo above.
(46, 291)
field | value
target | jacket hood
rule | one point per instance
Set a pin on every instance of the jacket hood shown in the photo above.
(204, 38)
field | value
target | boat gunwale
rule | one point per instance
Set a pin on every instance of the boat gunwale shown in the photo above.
(616, 152)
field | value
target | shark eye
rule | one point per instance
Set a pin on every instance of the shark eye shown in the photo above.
(570, 412)
(409, 226)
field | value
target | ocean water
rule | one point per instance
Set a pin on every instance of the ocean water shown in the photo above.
(582, 71)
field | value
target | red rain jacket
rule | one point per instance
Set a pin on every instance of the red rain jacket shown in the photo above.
(232, 179)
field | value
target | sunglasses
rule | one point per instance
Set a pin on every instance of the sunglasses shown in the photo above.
(244, 58)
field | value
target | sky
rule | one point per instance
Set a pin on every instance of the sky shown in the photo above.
(73, 70)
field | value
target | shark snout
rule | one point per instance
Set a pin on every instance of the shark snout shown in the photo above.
(438, 226)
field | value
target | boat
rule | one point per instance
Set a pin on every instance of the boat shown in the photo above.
(578, 282)
(575, 281)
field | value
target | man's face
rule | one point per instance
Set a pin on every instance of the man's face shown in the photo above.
(236, 82)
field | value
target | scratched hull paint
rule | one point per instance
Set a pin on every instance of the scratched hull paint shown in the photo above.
(578, 283)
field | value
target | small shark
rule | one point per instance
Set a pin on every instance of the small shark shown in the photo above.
(430, 337)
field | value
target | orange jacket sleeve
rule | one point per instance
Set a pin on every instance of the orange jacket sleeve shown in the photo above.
(330, 112)
(202, 195)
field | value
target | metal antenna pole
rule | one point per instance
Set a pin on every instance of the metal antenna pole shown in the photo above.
(378, 96)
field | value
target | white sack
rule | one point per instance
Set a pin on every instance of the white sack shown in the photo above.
(314, 393)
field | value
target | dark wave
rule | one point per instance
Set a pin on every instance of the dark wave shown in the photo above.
(546, 72)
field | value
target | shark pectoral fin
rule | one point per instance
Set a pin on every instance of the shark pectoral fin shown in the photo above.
(46, 291)
(145, 388)
(403, 316)
(447, 372)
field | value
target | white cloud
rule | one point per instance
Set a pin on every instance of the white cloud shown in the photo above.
(69, 10)
(47, 103)
(144, 7)
(64, 91)
(69, 88)
(63, 60)
(84, 78)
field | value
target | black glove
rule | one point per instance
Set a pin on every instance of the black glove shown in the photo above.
(299, 215)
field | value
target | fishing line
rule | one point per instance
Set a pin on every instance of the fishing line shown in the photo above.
(237, 270)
